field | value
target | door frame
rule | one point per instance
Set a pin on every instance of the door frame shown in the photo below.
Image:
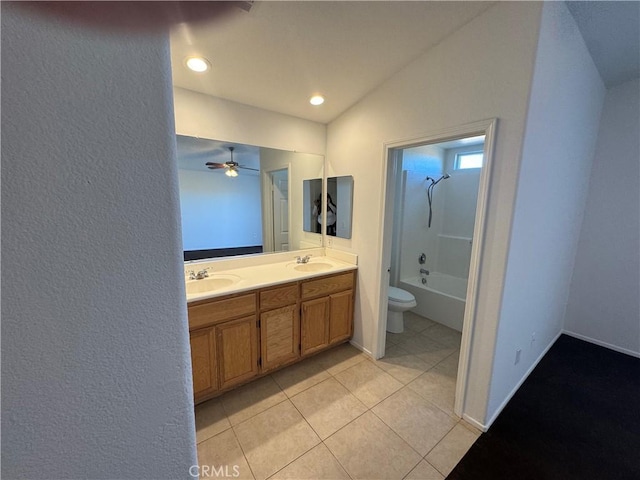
(391, 151)
(267, 207)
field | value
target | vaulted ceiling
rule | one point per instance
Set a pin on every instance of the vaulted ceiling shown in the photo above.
(278, 54)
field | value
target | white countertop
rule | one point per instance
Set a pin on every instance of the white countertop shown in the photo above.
(236, 280)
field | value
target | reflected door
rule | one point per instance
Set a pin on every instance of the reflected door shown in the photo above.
(280, 193)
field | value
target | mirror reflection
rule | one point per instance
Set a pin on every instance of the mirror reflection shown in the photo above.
(240, 199)
(339, 206)
(312, 195)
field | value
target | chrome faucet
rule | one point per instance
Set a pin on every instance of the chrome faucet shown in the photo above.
(425, 271)
(304, 259)
(200, 275)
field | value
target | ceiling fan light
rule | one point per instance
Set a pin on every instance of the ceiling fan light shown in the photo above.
(231, 172)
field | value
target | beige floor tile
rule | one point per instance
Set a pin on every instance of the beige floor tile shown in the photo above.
(211, 419)
(328, 407)
(449, 366)
(221, 456)
(426, 349)
(296, 378)
(317, 464)
(437, 388)
(420, 423)
(451, 449)
(444, 335)
(424, 471)
(397, 338)
(251, 399)
(274, 438)
(416, 323)
(368, 383)
(369, 449)
(339, 358)
(401, 365)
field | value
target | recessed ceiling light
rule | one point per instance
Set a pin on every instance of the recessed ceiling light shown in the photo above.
(197, 64)
(316, 100)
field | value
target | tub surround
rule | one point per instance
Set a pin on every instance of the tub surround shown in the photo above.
(261, 271)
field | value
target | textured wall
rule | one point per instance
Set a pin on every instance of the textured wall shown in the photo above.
(426, 97)
(95, 354)
(562, 124)
(604, 305)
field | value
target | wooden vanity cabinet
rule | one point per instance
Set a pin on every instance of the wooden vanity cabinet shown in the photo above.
(241, 336)
(327, 311)
(204, 362)
(224, 343)
(279, 326)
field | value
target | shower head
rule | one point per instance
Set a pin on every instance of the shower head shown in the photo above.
(434, 182)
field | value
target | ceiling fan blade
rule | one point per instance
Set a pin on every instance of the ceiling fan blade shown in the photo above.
(248, 168)
(213, 165)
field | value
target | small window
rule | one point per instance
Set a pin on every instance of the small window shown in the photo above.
(468, 160)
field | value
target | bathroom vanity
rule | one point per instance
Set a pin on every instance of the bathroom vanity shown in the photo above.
(239, 333)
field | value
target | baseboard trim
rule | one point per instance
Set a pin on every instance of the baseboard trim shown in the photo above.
(519, 384)
(602, 344)
(475, 423)
(361, 348)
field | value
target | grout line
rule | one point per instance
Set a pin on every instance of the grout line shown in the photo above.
(242, 450)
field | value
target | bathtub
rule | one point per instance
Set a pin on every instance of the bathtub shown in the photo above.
(442, 299)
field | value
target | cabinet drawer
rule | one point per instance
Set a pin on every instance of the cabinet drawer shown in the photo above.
(221, 310)
(327, 285)
(279, 297)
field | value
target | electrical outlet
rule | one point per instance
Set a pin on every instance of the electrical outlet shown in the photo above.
(533, 338)
(518, 353)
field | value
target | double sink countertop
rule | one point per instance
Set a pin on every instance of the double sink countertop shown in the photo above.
(227, 277)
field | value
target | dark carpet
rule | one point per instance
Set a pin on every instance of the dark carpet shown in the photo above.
(577, 416)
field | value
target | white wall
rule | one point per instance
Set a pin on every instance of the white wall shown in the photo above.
(95, 351)
(209, 206)
(562, 125)
(497, 49)
(200, 115)
(605, 289)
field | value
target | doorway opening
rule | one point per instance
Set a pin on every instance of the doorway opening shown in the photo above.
(433, 230)
(277, 221)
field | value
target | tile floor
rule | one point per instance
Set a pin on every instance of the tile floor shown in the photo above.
(341, 415)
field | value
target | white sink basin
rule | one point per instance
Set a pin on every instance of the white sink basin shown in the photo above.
(312, 267)
(211, 284)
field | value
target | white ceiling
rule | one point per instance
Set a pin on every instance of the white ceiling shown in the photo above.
(281, 52)
(611, 31)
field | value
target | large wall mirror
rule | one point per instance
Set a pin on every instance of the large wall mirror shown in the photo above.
(339, 207)
(240, 199)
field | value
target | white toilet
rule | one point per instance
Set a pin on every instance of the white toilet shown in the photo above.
(399, 302)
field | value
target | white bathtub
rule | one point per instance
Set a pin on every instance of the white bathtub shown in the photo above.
(442, 299)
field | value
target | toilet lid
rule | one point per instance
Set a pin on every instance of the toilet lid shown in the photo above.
(400, 296)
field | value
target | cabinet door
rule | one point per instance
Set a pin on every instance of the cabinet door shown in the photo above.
(340, 316)
(279, 336)
(237, 343)
(204, 362)
(314, 325)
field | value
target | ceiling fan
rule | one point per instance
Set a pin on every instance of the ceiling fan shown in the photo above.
(231, 166)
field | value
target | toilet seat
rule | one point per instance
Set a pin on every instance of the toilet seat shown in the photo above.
(398, 295)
